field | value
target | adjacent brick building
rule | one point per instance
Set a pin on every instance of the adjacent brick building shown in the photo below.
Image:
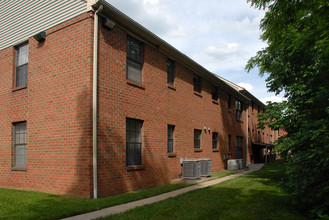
(155, 106)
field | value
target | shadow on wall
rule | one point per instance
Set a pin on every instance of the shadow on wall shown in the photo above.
(113, 176)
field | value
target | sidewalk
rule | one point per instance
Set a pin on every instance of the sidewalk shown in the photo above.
(124, 207)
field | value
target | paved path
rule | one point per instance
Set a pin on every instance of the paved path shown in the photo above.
(124, 207)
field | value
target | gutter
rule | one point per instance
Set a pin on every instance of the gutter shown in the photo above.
(247, 122)
(95, 85)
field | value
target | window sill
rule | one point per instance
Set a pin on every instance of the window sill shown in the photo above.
(197, 94)
(198, 150)
(171, 154)
(135, 167)
(18, 169)
(135, 84)
(215, 150)
(19, 88)
(172, 87)
(215, 102)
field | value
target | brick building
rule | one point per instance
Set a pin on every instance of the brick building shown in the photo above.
(91, 118)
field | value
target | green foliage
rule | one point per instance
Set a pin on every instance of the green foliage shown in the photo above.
(297, 61)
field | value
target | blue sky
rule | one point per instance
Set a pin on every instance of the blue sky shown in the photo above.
(221, 35)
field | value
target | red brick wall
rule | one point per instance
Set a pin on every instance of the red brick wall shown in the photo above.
(157, 105)
(57, 108)
(56, 105)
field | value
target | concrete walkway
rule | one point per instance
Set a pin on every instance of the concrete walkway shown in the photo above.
(124, 207)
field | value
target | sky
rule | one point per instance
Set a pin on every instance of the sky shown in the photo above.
(220, 35)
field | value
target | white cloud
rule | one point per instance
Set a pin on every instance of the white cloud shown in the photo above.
(247, 86)
(151, 1)
(223, 50)
(272, 99)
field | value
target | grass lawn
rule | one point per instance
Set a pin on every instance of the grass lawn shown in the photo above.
(253, 196)
(19, 204)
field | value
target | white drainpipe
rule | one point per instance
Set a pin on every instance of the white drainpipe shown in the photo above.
(247, 153)
(95, 79)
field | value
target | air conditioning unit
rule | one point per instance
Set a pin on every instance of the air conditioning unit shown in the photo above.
(205, 167)
(232, 164)
(235, 164)
(191, 169)
(240, 163)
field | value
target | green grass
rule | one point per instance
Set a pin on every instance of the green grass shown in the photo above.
(18, 204)
(224, 173)
(254, 196)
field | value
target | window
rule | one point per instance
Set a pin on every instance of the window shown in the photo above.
(258, 109)
(171, 129)
(271, 139)
(259, 138)
(238, 147)
(134, 142)
(229, 143)
(214, 140)
(229, 101)
(197, 138)
(20, 144)
(252, 107)
(170, 71)
(238, 108)
(134, 60)
(197, 83)
(22, 59)
(214, 93)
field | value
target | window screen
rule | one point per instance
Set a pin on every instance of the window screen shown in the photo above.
(20, 144)
(171, 129)
(22, 59)
(134, 60)
(133, 142)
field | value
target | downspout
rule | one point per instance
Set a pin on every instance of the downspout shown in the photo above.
(95, 79)
(247, 153)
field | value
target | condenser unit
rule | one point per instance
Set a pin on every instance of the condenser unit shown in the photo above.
(240, 163)
(191, 169)
(232, 164)
(205, 167)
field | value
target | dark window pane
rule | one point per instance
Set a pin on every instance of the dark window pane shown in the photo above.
(134, 71)
(171, 138)
(197, 83)
(134, 142)
(214, 140)
(22, 58)
(238, 108)
(214, 92)
(197, 134)
(229, 143)
(20, 144)
(229, 102)
(239, 147)
(170, 72)
(134, 50)
(134, 60)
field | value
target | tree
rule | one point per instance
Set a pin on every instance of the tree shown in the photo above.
(297, 62)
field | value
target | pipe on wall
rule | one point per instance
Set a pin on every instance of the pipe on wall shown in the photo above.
(95, 84)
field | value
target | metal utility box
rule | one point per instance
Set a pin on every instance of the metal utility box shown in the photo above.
(191, 169)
